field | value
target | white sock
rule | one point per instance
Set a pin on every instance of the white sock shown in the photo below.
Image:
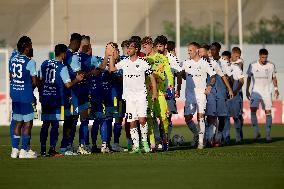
(135, 136)
(211, 132)
(144, 132)
(201, 130)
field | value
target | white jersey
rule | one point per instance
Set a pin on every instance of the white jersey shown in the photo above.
(235, 71)
(134, 75)
(174, 64)
(262, 78)
(220, 85)
(196, 75)
(239, 62)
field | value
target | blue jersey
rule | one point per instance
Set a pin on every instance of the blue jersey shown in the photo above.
(95, 81)
(54, 75)
(21, 70)
(72, 61)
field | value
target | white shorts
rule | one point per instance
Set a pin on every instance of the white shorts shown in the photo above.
(193, 106)
(135, 108)
(256, 99)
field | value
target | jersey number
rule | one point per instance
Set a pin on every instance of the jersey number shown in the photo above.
(17, 70)
(50, 75)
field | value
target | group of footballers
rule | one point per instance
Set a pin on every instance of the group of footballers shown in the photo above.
(138, 87)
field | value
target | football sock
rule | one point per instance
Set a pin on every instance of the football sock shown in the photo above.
(144, 132)
(54, 133)
(116, 132)
(135, 136)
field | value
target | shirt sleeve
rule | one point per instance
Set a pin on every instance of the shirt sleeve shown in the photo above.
(96, 61)
(31, 66)
(75, 63)
(210, 70)
(40, 73)
(65, 75)
(147, 68)
(120, 65)
(174, 63)
(238, 73)
(249, 71)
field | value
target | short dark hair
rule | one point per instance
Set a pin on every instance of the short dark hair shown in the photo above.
(136, 37)
(205, 46)
(263, 52)
(124, 43)
(23, 42)
(226, 53)
(216, 44)
(194, 44)
(75, 36)
(137, 43)
(161, 39)
(171, 45)
(60, 48)
(237, 50)
(86, 37)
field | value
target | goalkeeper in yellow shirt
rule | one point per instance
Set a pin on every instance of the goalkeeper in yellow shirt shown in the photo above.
(159, 108)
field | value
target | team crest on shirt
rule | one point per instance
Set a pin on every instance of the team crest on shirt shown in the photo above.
(137, 65)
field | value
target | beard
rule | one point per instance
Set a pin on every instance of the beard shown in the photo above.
(161, 52)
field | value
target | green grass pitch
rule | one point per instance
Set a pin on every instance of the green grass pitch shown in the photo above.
(250, 165)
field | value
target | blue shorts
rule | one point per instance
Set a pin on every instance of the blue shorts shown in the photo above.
(235, 106)
(118, 105)
(102, 105)
(51, 113)
(80, 102)
(172, 106)
(222, 107)
(211, 107)
(22, 111)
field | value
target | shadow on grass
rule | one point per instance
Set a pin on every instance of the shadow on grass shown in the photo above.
(248, 141)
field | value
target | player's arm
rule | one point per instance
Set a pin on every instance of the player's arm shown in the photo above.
(276, 91)
(64, 74)
(239, 87)
(211, 84)
(227, 83)
(249, 73)
(239, 75)
(179, 82)
(31, 66)
(154, 87)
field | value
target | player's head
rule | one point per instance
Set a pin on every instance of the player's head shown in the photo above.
(193, 50)
(171, 47)
(25, 47)
(85, 46)
(116, 50)
(147, 44)
(133, 47)
(236, 54)
(226, 55)
(161, 44)
(124, 46)
(60, 51)
(203, 50)
(263, 55)
(215, 49)
(75, 41)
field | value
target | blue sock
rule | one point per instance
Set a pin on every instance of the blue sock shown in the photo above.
(54, 134)
(83, 131)
(268, 124)
(104, 131)
(109, 129)
(12, 128)
(191, 125)
(72, 132)
(16, 141)
(64, 141)
(116, 132)
(254, 121)
(95, 130)
(44, 132)
(25, 141)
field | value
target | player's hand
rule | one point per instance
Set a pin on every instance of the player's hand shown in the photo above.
(276, 93)
(208, 90)
(248, 94)
(80, 77)
(177, 94)
(231, 94)
(235, 93)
